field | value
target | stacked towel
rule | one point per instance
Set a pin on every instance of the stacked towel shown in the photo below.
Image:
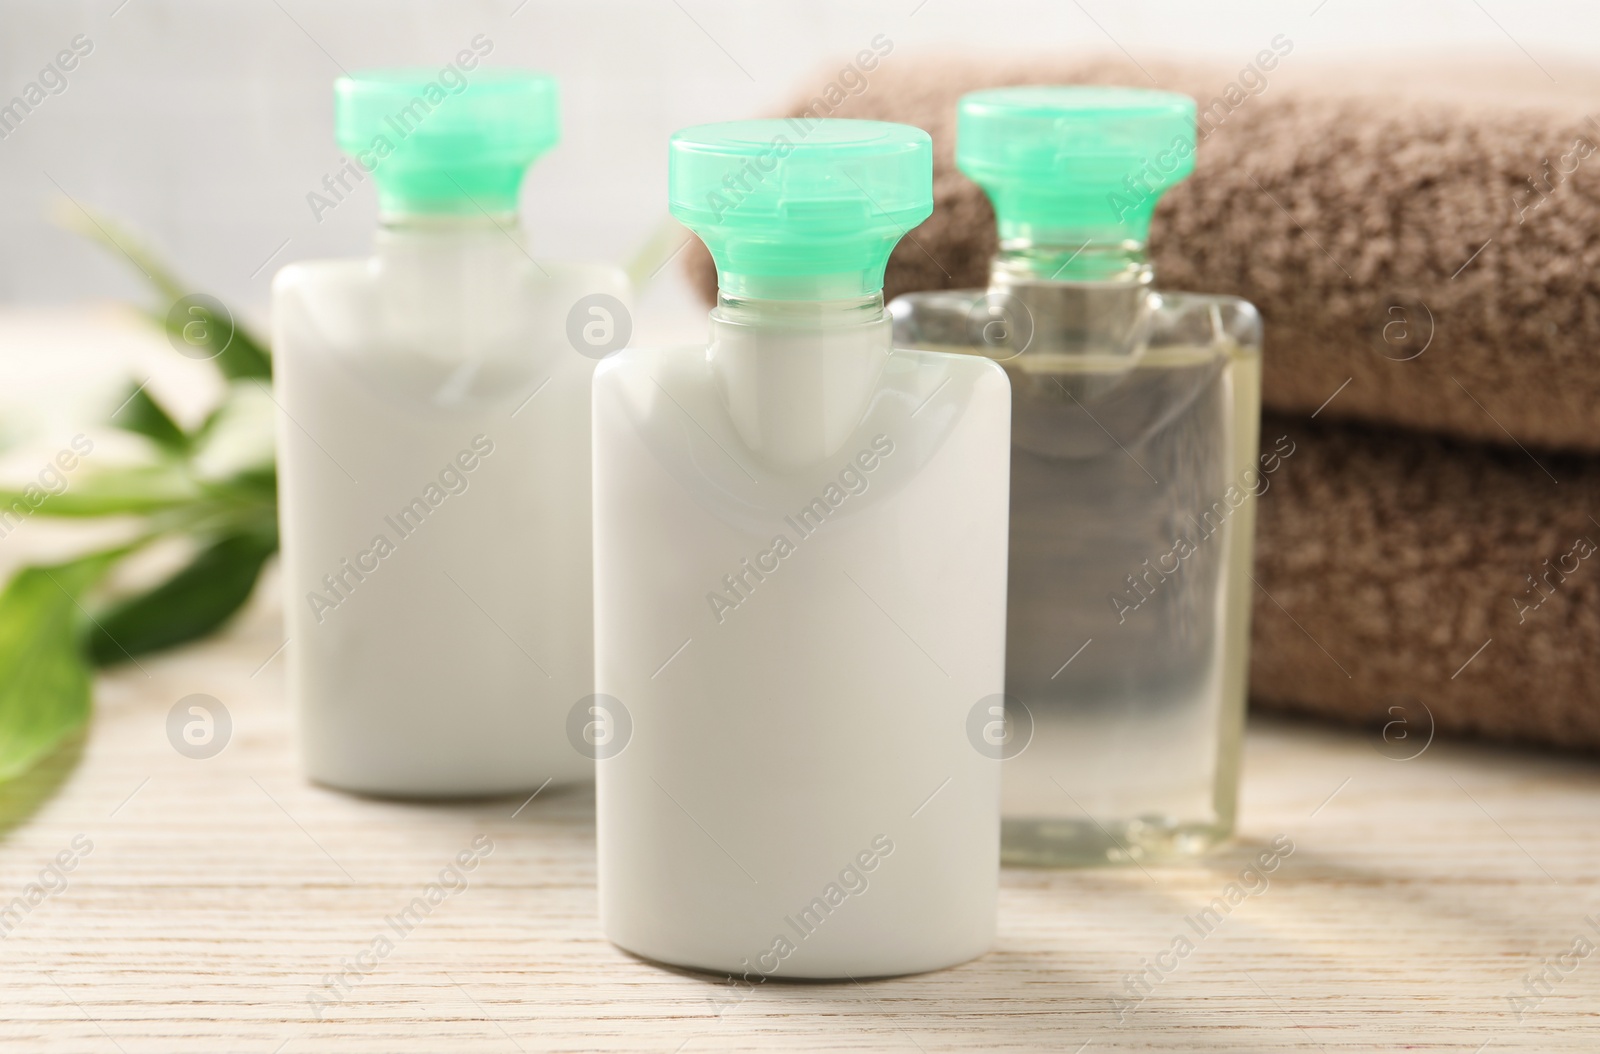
(1414, 578)
(1426, 257)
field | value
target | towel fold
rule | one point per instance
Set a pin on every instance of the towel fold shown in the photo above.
(1417, 578)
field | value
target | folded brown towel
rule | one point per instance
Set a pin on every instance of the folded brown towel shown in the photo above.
(1367, 218)
(1387, 560)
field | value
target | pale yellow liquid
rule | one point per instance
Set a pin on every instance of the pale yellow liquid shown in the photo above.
(1134, 753)
(1136, 720)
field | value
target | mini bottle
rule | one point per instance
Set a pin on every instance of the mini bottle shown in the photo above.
(1133, 479)
(799, 586)
(433, 452)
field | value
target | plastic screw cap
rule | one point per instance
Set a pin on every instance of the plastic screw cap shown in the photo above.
(797, 209)
(438, 144)
(1063, 165)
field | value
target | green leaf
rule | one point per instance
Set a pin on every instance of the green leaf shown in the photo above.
(189, 605)
(44, 693)
(257, 484)
(220, 338)
(246, 357)
(112, 236)
(141, 414)
(242, 356)
(132, 490)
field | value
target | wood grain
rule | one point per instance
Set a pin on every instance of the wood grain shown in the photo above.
(220, 893)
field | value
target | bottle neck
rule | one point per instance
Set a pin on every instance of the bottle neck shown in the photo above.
(440, 279)
(478, 255)
(436, 227)
(1066, 261)
(797, 376)
(1087, 299)
(792, 316)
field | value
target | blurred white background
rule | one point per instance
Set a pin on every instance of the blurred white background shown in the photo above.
(204, 123)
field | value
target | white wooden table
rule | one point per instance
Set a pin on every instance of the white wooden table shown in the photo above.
(220, 896)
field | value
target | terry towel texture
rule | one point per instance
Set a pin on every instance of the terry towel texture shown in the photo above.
(1392, 237)
(1387, 560)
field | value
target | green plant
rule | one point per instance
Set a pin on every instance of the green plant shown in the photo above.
(59, 622)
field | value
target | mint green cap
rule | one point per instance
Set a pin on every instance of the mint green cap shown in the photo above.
(800, 209)
(1067, 164)
(446, 146)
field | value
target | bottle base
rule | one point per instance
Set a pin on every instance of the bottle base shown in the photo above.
(869, 971)
(1060, 842)
(442, 792)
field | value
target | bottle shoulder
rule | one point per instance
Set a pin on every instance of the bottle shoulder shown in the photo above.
(302, 276)
(994, 321)
(361, 275)
(774, 416)
(1208, 318)
(646, 361)
(362, 303)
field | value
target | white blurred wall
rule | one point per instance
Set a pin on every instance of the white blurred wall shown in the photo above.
(205, 122)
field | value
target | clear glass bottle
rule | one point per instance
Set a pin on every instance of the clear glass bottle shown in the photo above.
(799, 586)
(1135, 420)
(433, 455)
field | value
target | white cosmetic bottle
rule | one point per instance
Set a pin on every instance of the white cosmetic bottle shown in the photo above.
(433, 456)
(800, 563)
